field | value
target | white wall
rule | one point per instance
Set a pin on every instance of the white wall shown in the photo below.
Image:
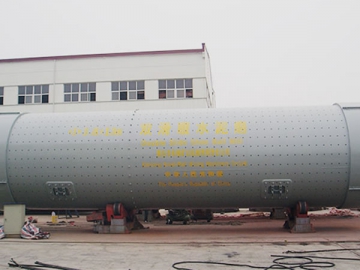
(130, 68)
(26, 73)
(152, 90)
(11, 95)
(108, 106)
(104, 70)
(103, 91)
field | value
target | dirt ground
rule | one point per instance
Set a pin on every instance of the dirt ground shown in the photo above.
(232, 239)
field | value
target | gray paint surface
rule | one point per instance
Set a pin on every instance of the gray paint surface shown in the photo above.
(204, 158)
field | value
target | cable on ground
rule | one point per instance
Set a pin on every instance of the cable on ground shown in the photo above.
(38, 266)
(283, 262)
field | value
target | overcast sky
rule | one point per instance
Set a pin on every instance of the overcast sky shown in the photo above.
(263, 53)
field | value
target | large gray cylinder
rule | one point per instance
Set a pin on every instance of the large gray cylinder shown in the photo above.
(203, 158)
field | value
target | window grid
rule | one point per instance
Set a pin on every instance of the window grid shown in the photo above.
(175, 89)
(79, 92)
(128, 90)
(1, 95)
(33, 94)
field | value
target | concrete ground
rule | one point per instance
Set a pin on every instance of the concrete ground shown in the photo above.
(239, 238)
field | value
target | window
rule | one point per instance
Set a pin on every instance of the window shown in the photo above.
(127, 90)
(33, 94)
(79, 92)
(179, 88)
(1, 95)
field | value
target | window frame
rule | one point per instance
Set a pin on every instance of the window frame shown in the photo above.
(128, 90)
(33, 94)
(175, 88)
(80, 92)
(1, 95)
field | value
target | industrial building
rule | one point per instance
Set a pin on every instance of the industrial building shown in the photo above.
(172, 79)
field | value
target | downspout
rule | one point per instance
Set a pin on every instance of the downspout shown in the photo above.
(54, 85)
